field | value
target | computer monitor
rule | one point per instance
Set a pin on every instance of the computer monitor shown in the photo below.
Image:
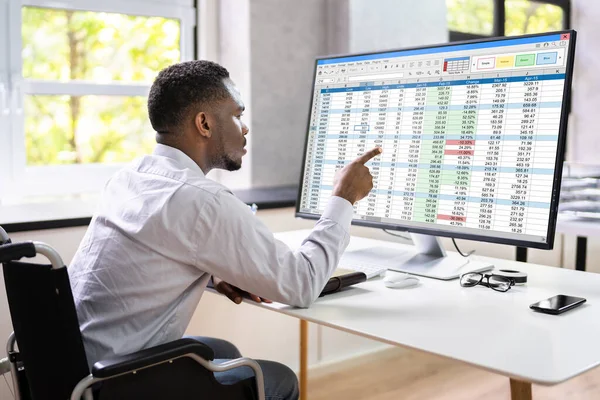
(473, 136)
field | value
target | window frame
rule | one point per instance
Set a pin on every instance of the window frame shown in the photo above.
(5, 123)
(17, 180)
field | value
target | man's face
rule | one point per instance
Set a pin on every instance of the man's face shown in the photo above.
(230, 139)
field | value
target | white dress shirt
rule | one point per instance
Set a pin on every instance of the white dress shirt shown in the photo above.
(161, 230)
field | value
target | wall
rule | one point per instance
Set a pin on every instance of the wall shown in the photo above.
(393, 24)
(230, 46)
(286, 36)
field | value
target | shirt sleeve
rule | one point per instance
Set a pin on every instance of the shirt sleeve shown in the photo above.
(237, 247)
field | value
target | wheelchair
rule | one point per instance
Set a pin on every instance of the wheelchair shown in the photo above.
(46, 357)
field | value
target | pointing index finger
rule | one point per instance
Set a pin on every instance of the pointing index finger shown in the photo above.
(368, 155)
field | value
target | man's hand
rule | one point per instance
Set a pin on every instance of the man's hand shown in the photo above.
(234, 293)
(354, 181)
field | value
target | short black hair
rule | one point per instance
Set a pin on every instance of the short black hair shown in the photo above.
(182, 86)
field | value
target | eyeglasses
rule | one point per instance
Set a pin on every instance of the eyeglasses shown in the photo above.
(496, 282)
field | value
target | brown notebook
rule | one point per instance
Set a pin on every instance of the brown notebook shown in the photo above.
(343, 278)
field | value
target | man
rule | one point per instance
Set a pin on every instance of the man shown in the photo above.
(162, 229)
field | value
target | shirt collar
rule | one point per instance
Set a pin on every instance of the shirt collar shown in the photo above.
(177, 155)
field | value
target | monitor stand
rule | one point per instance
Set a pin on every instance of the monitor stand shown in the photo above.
(428, 259)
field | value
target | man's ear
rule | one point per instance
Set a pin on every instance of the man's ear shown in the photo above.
(203, 124)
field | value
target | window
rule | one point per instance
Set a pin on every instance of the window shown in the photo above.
(472, 19)
(74, 87)
(524, 17)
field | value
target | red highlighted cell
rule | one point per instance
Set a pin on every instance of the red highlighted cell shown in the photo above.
(460, 142)
(452, 218)
(459, 152)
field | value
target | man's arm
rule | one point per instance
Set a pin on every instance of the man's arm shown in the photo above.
(242, 251)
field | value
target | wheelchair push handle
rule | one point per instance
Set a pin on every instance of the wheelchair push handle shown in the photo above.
(3, 236)
(15, 251)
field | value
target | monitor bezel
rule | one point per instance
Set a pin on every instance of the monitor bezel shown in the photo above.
(443, 232)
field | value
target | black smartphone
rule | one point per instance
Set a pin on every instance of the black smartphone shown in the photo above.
(557, 304)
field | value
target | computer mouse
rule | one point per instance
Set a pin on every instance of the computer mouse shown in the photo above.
(400, 281)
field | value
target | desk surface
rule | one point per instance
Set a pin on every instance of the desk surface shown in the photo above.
(488, 329)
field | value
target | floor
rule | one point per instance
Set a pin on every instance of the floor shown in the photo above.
(400, 374)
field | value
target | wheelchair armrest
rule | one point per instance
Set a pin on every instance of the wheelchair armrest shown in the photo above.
(148, 357)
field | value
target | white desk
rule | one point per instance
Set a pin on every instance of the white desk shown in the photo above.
(487, 329)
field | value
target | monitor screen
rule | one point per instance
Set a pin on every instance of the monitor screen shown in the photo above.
(472, 136)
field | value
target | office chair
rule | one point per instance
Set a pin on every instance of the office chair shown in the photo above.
(51, 363)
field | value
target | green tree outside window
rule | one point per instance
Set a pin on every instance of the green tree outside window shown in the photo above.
(63, 46)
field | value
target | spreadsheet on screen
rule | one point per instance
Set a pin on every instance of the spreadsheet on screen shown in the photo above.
(469, 133)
